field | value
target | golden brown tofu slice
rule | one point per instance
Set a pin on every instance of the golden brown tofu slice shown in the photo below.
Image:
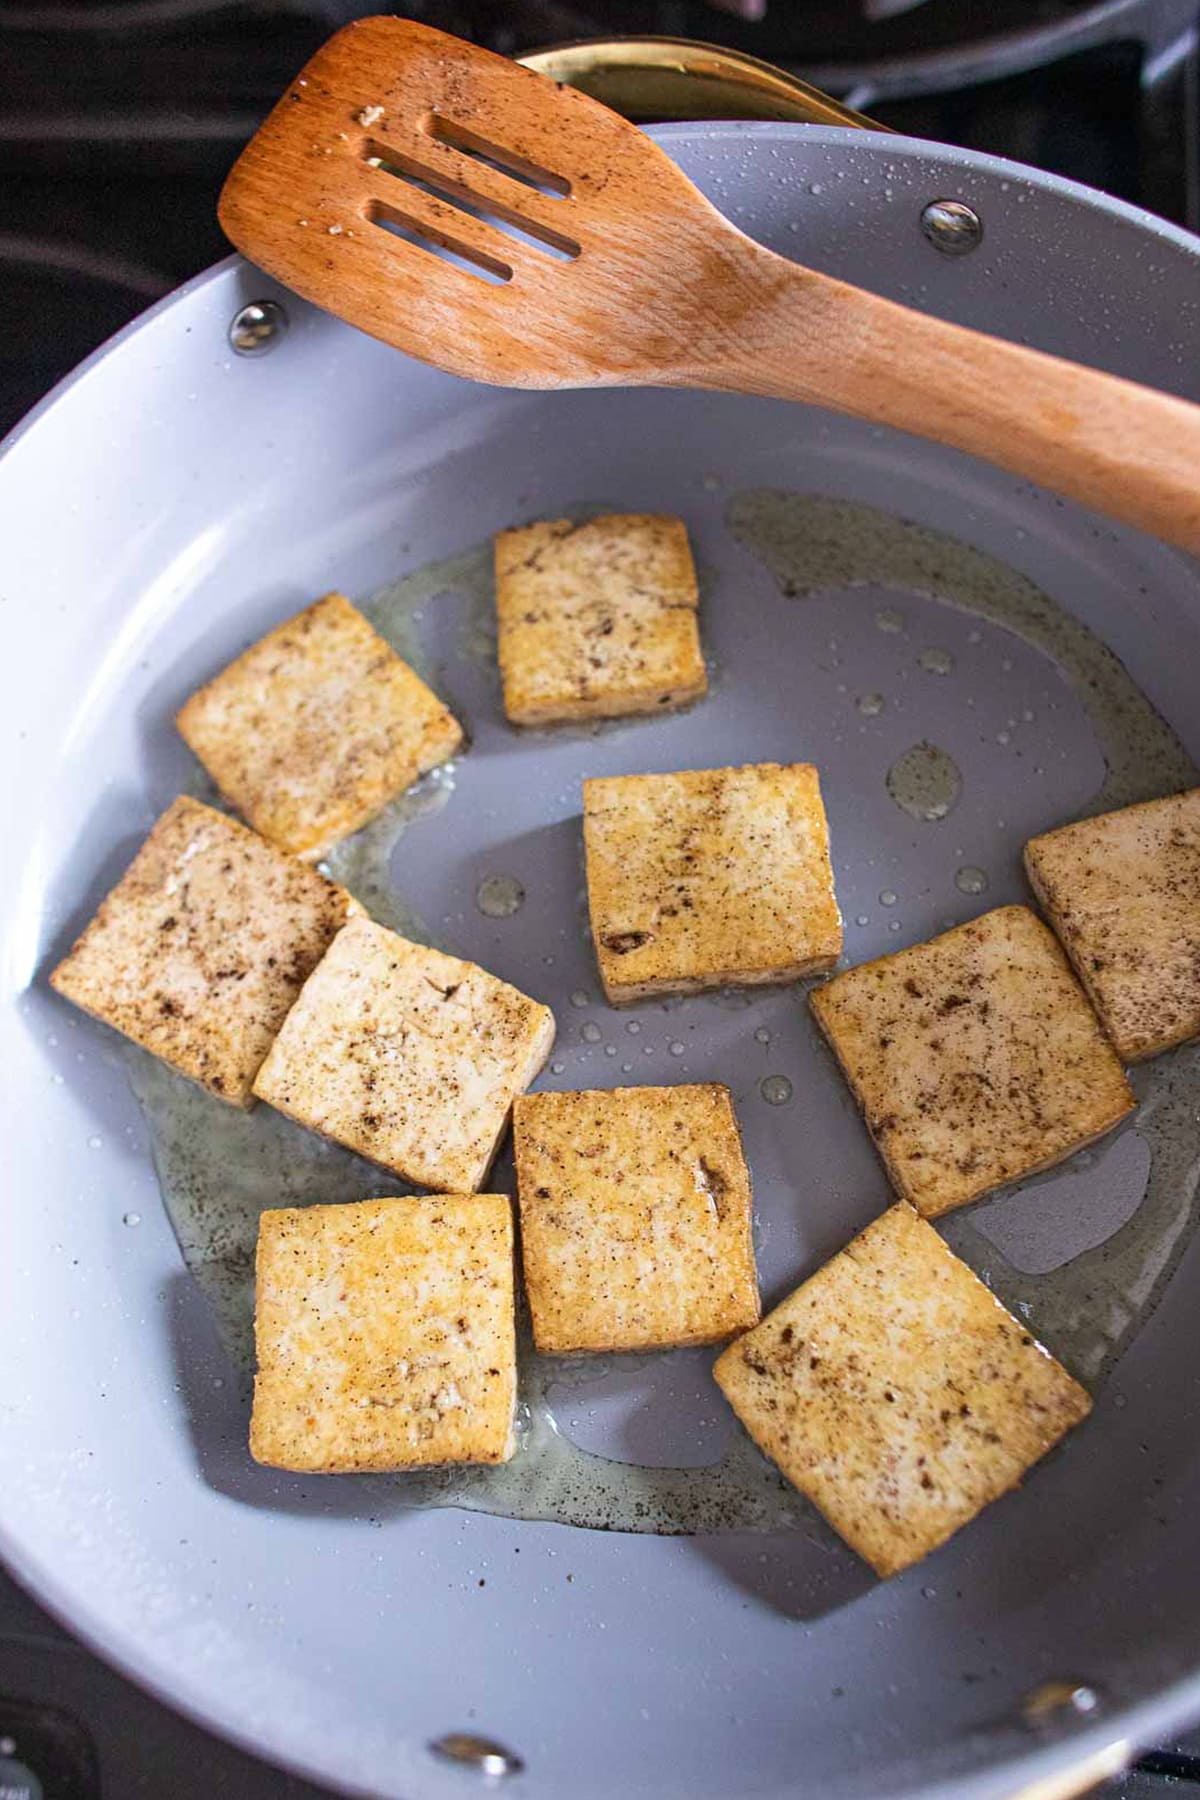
(408, 1056)
(635, 1218)
(385, 1335)
(897, 1393)
(316, 727)
(709, 878)
(976, 1058)
(200, 950)
(1123, 893)
(597, 620)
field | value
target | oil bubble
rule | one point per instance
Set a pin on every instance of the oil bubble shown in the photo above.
(970, 880)
(925, 782)
(499, 896)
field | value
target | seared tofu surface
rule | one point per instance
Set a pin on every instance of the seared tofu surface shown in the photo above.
(635, 1218)
(976, 1058)
(709, 878)
(409, 1057)
(201, 949)
(385, 1335)
(597, 620)
(312, 730)
(1123, 893)
(896, 1392)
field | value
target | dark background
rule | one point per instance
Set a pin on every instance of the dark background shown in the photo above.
(118, 122)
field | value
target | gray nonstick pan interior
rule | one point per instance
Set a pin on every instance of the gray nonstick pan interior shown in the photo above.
(968, 662)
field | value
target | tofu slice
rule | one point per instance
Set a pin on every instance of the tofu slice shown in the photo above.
(410, 1057)
(709, 878)
(597, 620)
(635, 1218)
(897, 1393)
(1123, 893)
(976, 1058)
(316, 727)
(201, 949)
(385, 1335)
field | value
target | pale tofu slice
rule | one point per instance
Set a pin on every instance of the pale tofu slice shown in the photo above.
(201, 949)
(316, 727)
(896, 1392)
(635, 1218)
(408, 1056)
(385, 1335)
(976, 1058)
(709, 878)
(1123, 893)
(597, 620)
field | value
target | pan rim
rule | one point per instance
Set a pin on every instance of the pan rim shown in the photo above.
(1149, 1717)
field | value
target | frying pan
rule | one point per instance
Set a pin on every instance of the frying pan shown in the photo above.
(211, 470)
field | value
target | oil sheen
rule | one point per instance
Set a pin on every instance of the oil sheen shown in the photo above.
(1089, 1309)
(219, 1168)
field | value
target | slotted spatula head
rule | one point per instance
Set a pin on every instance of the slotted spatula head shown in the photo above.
(476, 214)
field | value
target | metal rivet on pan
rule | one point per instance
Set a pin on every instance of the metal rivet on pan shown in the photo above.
(1059, 1699)
(481, 1753)
(952, 227)
(258, 327)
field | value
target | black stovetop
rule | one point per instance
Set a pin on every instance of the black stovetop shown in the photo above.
(118, 121)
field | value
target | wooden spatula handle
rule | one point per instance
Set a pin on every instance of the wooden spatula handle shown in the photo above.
(1116, 447)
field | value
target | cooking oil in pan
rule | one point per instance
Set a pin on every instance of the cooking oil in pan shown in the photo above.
(1087, 1310)
(925, 782)
(219, 1168)
(813, 544)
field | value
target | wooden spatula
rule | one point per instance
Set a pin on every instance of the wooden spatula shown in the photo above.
(483, 218)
